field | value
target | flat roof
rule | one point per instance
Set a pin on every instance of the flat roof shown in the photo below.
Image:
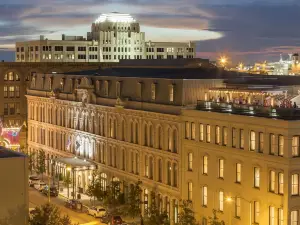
(7, 153)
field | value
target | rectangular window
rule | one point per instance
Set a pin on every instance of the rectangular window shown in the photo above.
(187, 130)
(272, 144)
(238, 207)
(272, 181)
(11, 91)
(238, 173)
(217, 135)
(280, 183)
(221, 201)
(204, 196)
(171, 93)
(280, 217)
(17, 92)
(11, 109)
(205, 164)
(5, 109)
(295, 146)
(225, 136)
(261, 142)
(5, 91)
(208, 133)
(10, 76)
(252, 141)
(233, 137)
(221, 168)
(190, 191)
(256, 212)
(17, 108)
(256, 177)
(201, 132)
(272, 215)
(280, 145)
(70, 48)
(295, 184)
(294, 217)
(242, 139)
(193, 127)
(153, 91)
(190, 161)
(118, 89)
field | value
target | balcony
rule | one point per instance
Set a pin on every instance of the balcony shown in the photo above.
(250, 110)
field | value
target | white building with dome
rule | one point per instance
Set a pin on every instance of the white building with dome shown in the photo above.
(113, 37)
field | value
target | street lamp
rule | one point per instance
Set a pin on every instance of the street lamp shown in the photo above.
(223, 61)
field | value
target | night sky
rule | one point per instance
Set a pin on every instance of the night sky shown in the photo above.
(244, 30)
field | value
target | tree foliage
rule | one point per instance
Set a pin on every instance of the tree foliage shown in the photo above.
(31, 165)
(134, 200)
(41, 167)
(155, 217)
(48, 214)
(214, 220)
(187, 214)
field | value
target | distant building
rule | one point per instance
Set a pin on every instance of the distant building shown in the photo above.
(14, 187)
(113, 37)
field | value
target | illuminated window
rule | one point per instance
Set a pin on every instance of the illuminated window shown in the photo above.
(238, 207)
(238, 172)
(146, 166)
(256, 177)
(169, 168)
(153, 91)
(190, 191)
(272, 215)
(295, 146)
(272, 144)
(106, 91)
(171, 93)
(205, 164)
(187, 130)
(10, 76)
(208, 133)
(221, 201)
(233, 137)
(5, 91)
(272, 181)
(190, 161)
(295, 184)
(256, 212)
(201, 132)
(294, 217)
(261, 142)
(221, 168)
(280, 145)
(252, 140)
(193, 127)
(224, 136)
(17, 77)
(242, 139)
(280, 217)
(204, 196)
(150, 167)
(11, 91)
(280, 183)
(118, 89)
(217, 135)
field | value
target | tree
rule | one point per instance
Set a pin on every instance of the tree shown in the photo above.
(187, 214)
(134, 200)
(48, 214)
(41, 167)
(214, 220)
(31, 165)
(155, 217)
(67, 181)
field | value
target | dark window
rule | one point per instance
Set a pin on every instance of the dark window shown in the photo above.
(58, 48)
(5, 109)
(180, 57)
(81, 56)
(36, 48)
(160, 50)
(31, 48)
(170, 57)
(70, 48)
(18, 49)
(22, 49)
(82, 49)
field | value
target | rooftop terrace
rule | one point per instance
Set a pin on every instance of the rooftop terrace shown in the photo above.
(250, 110)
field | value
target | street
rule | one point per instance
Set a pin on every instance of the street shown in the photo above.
(36, 199)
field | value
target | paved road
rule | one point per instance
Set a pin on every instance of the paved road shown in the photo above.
(36, 199)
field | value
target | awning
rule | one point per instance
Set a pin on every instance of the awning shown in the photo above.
(75, 162)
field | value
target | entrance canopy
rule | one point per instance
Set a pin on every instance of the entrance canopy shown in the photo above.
(75, 163)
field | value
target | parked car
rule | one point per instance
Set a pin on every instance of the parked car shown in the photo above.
(73, 204)
(53, 191)
(33, 180)
(40, 186)
(112, 220)
(96, 211)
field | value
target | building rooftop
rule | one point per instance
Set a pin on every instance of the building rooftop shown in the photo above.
(115, 17)
(7, 153)
(250, 110)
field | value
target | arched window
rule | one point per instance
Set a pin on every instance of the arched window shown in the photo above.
(160, 170)
(169, 139)
(160, 138)
(131, 132)
(115, 128)
(136, 133)
(175, 172)
(123, 159)
(123, 131)
(151, 134)
(146, 166)
(169, 169)
(175, 138)
(145, 135)
(151, 168)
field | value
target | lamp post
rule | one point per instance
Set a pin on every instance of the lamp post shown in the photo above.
(230, 199)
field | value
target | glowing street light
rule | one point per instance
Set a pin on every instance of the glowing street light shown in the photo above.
(229, 199)
(223, 61)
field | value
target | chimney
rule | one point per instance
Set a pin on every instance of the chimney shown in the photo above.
(63, 37)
